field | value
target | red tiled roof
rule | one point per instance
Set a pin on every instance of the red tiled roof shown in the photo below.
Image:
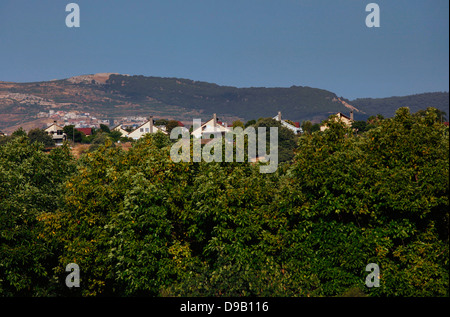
(86, 131)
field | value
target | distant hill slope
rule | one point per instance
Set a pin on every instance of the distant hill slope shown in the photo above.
(113, 96)
(388, 106)
(296, 103)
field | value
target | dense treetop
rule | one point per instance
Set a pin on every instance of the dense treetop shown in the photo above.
(139, 224)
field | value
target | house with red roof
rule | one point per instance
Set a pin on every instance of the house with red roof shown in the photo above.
(86, 131)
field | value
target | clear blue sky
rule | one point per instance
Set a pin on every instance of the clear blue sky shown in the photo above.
(244, 43)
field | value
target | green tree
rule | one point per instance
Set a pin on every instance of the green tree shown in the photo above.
(385, 193)
(359, 126)
(250, 123)
(19, 132)
(374, 121)
(101, 138)
(115, 135)
(31, 186)
(117, 217)
(171, 124)
(139, 224)
(72, 133)
(232, 233)
(144, 238)
(238, 123)
(286, 138)
(38, 135)
(438, 115)
(104, 128)
(161, 140)
(315, 127)
(159, 122)
(90, 199)
(307, 126)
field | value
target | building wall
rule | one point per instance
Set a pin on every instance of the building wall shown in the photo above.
(345, 120)
(143, 129)
(208, 127)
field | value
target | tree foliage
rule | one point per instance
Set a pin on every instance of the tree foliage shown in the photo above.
(31, 185)
(388, 192)
(171, 124)
(286, 138)
(73, 134)
(38, 135)
(139, 224)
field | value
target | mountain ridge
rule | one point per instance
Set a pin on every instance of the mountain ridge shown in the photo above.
(111, 96)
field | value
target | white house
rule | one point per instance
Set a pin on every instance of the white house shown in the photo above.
(291, 127)
(57, 133)
(147, 127)
(211, 127)
(121, 130)
(341, 117)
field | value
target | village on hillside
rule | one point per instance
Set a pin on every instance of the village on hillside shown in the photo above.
(135, 127)
(82, 127)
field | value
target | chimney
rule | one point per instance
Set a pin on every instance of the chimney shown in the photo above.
(279, 116)
(351, 115)
(215, 121)
(54, 122)
(150, 120)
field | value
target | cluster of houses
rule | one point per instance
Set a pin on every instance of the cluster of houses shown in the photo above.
(210, 127)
